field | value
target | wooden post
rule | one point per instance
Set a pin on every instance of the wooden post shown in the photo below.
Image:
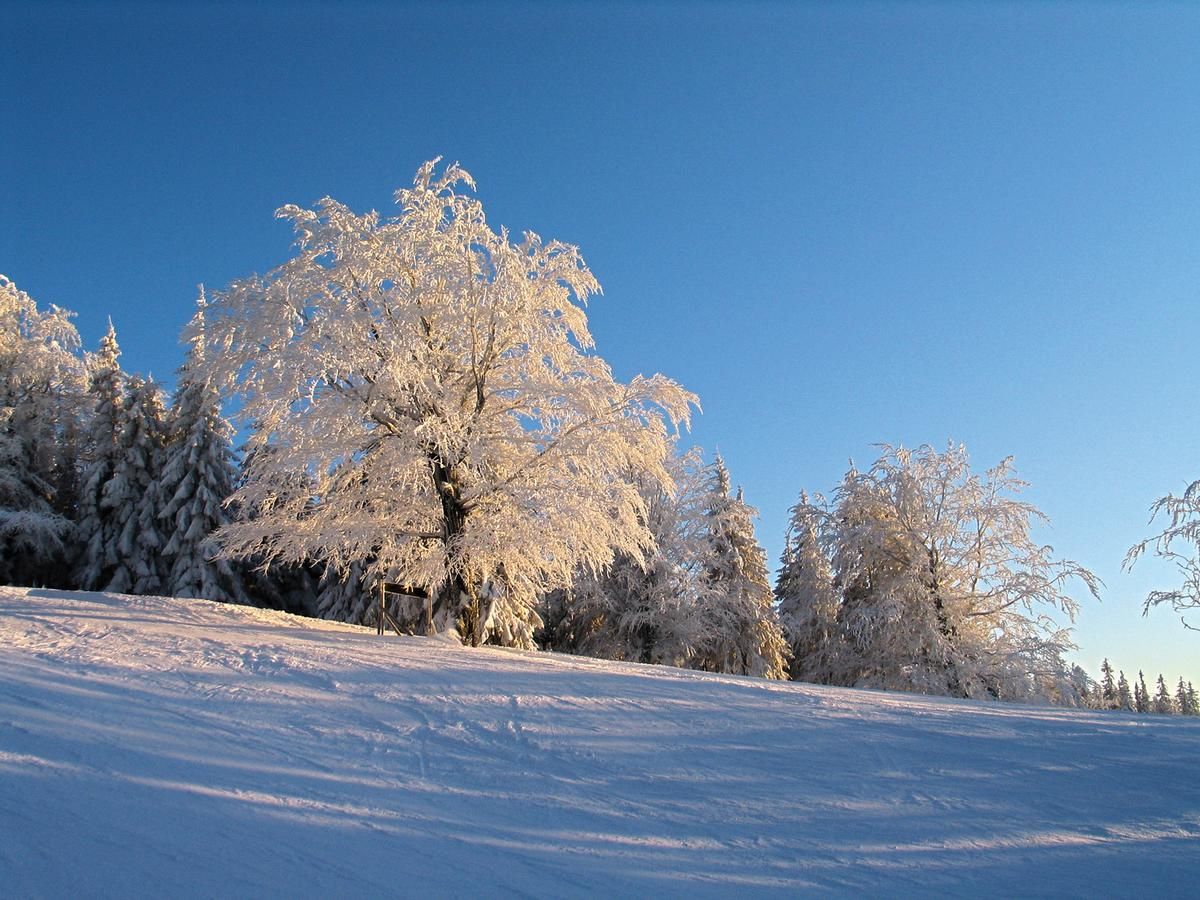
(382, 607)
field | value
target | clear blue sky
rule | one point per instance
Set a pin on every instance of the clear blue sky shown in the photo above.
(839, 224)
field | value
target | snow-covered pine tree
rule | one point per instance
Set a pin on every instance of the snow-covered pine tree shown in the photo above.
(1124, 695)
(348, 596)
(741, 632)
(807, 600)
(41, 380)
(1163, 703)
(1183, 701)
(1080, 690)
(1193, 701)
(1108, 687)
(198, 475)
(133, 496)
(97, 529)
(28, 523)
(641, 609)
(452, 368)
(1141, 694)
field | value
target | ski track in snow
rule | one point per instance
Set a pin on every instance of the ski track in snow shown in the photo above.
(189, 749)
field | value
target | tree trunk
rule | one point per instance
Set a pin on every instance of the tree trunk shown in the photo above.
(945, 626)
(449, 604)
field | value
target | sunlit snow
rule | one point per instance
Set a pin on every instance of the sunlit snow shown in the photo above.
(151, 746)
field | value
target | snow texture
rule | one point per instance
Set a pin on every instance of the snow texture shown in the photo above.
(184, 748)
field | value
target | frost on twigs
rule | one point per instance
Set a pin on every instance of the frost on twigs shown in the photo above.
(921, 575)
(1178, 543)
(426, 389)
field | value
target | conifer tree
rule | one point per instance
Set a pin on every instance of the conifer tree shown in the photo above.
(198, 476)
(1108, 687)
(133, 496)
(741, 632)
(1124, 695)
(1078, 690)
(31, 532)
(808, 601)
(1193, 701)
(1163, 703)
(1141, 694)
(41, 379)
(642, 607)
(1183, 700)
(348, 596)
(98, 532)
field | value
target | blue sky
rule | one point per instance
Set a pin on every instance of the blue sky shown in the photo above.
(839, 224)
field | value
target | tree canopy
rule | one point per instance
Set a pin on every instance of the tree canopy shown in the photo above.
(435, 383)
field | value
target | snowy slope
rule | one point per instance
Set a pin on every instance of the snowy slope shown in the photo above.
(171, 747)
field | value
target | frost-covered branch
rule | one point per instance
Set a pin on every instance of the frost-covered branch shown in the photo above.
(1179, 543)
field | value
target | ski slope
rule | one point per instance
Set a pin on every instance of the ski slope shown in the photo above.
(160, 747)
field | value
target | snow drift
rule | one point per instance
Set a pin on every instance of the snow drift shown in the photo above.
(185, 748)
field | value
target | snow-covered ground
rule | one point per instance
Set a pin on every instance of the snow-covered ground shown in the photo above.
(181, 748)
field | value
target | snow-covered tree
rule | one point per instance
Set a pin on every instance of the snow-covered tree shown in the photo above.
(698, 597)
(1108, 687)
(741, 632)
(133, 497)
(1183, 699)
(808, 600)
(41, 380)
(1163, 702)
(941, 588)
(1141, 694)
(1124, 695)
(290, 586)
(641, 609)
(97, 529)
(198, 475)
(1179, 543)
(1081, 691)
(348, 596)
(436, 382)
